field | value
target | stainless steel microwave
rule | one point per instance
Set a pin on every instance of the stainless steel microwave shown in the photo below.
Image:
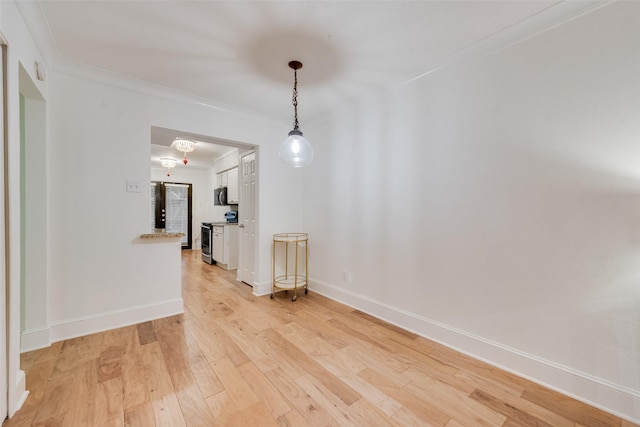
(220, 196)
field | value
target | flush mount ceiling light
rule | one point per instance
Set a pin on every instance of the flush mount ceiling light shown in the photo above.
(185, 146)
(168, 163)
(296, 150)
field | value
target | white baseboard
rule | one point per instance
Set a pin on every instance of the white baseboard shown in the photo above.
(613, 398)
(20, 392)
(261, 288)
(78, 327)
(34, 339)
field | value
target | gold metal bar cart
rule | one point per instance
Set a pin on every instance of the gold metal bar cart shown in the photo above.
(291, 277)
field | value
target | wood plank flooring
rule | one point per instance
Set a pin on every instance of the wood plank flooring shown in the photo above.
(234, 359)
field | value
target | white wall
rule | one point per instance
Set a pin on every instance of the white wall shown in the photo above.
(100, 272)
(226, 161)
(495, 206)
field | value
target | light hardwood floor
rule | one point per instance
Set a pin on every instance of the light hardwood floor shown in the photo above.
(234, 359)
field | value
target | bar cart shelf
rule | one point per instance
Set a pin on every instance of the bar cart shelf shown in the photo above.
(293, 273)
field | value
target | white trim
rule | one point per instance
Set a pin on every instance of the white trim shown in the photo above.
(34, 339)
(608, 396)
(143, 87)
(545, 20)
(539, 23)
(114, 319)
(4, 283)
(261, 288)
(38, 26)
(20, 392)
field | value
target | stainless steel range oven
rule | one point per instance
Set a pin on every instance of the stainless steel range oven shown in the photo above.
(207, 242)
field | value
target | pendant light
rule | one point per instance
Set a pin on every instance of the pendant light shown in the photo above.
(168, 163)
(295, 150)
(185, 146)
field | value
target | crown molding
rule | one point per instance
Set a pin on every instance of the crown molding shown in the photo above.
(533, 25)
(143, 87)
(38, 27)
(552, 17)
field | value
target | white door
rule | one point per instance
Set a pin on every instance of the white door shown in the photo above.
(247, 262)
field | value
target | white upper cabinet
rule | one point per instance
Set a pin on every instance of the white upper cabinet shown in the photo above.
(232, 186)
(222, 179)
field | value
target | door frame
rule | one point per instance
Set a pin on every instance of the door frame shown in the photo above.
(4, 277)
(243, 148)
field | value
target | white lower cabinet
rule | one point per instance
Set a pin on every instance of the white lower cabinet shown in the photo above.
(225, 246)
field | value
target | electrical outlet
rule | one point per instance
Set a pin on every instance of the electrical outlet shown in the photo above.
(346, 276)
(133, 187)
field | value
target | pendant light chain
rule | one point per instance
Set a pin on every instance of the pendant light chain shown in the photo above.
(295, 99)
(295, 149)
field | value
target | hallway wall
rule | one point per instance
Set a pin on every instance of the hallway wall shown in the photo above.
(494, 206)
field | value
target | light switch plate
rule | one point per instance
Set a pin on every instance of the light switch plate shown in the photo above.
(133, 186)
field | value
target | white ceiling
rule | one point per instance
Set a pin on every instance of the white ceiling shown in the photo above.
(207, 149)
(235, 53)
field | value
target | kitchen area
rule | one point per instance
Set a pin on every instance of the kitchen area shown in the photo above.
(211, 173)
(219, 239)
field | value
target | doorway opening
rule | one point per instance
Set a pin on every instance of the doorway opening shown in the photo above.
(209, 166)
(33, 216)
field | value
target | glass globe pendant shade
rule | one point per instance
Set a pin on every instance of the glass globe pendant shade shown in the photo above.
(296, 151)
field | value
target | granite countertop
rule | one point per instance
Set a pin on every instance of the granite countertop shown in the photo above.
(160, 234)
